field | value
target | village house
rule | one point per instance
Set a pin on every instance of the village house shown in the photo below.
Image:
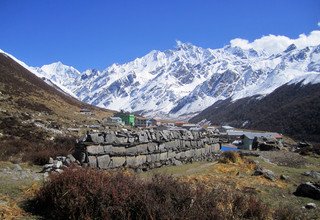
(126, 117)
(117, 121)
(144, 122)
(248, 137)
(85, 111)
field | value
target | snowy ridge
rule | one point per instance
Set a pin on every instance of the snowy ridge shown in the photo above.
(306, 79)
(185, 80)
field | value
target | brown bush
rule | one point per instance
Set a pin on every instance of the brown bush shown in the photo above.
(229, 157)
(90, 194)
(35, 152)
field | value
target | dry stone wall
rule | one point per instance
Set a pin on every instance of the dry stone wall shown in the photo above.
(145, 149)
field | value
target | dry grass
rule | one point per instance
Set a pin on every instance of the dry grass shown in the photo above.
(9, 209)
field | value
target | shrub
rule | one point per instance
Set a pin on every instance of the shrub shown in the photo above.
(230, 157)
(35, 152)
(91, 194)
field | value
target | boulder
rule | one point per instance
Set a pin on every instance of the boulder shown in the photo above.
(117, 162)
(121, 141)
(171, 154)
(50, 160)
(284, 177)
(152, 158)
(152, 147)
(313, 174)
(103, 161)
(139, 149)
(97, 138)
(176, 162)
(143, 137)
(164, 156)
(110, 138)
(308, 189)
(311, 205)
(139, 160)
(118, 151)
(71, 158)
(17, 167)
(92, 161)
(268, 174)
(57, 164)
(95, 150)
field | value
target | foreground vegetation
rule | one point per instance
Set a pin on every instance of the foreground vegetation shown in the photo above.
(90, 194)
(223, 189)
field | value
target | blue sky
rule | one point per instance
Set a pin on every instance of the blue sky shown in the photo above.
(95, 34)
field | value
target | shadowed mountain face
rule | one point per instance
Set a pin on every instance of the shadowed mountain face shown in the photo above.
(17, 81)
(291, 109)
(27, 100)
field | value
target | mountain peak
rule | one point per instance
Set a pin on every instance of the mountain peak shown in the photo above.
(290, 48)
(183, 45)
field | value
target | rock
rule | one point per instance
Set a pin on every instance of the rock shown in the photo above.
(67, 162)
(61, 158)
(58, 171)
(110, 138)
(152, 147)
(49, 165)
(17, 167)
(177, 162)
(92, 161)
(284, 177)
(134, 162)
(143, 137)
(313, 174)
(103, 161)
(268, 174)
(116, 151)
(308, 189)
(164, 156)
(311, 206)
(57, 164)
(95, 150)
(97, 138)
(117, 162)
(50, 160)
(151, 158)
(71, 157)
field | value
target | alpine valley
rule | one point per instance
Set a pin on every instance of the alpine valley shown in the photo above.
(181, 82)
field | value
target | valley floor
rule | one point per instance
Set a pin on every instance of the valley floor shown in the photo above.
(20, 182)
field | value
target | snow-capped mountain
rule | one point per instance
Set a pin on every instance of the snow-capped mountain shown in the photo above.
(185, 80)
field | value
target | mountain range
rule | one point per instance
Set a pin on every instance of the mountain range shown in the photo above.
(181, 82)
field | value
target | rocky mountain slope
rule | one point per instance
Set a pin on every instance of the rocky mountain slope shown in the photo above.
(292, 109)
(185, 80)
(32, 113)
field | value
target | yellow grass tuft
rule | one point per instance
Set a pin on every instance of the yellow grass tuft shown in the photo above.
(9, 209)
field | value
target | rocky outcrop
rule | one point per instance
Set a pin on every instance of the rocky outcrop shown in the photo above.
(145, 149)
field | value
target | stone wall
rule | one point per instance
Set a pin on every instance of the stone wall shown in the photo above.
(145, 149)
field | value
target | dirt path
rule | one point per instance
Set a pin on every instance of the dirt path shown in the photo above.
(200, 168)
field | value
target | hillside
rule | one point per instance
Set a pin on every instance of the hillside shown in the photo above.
(34, 114)
(292, 109)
